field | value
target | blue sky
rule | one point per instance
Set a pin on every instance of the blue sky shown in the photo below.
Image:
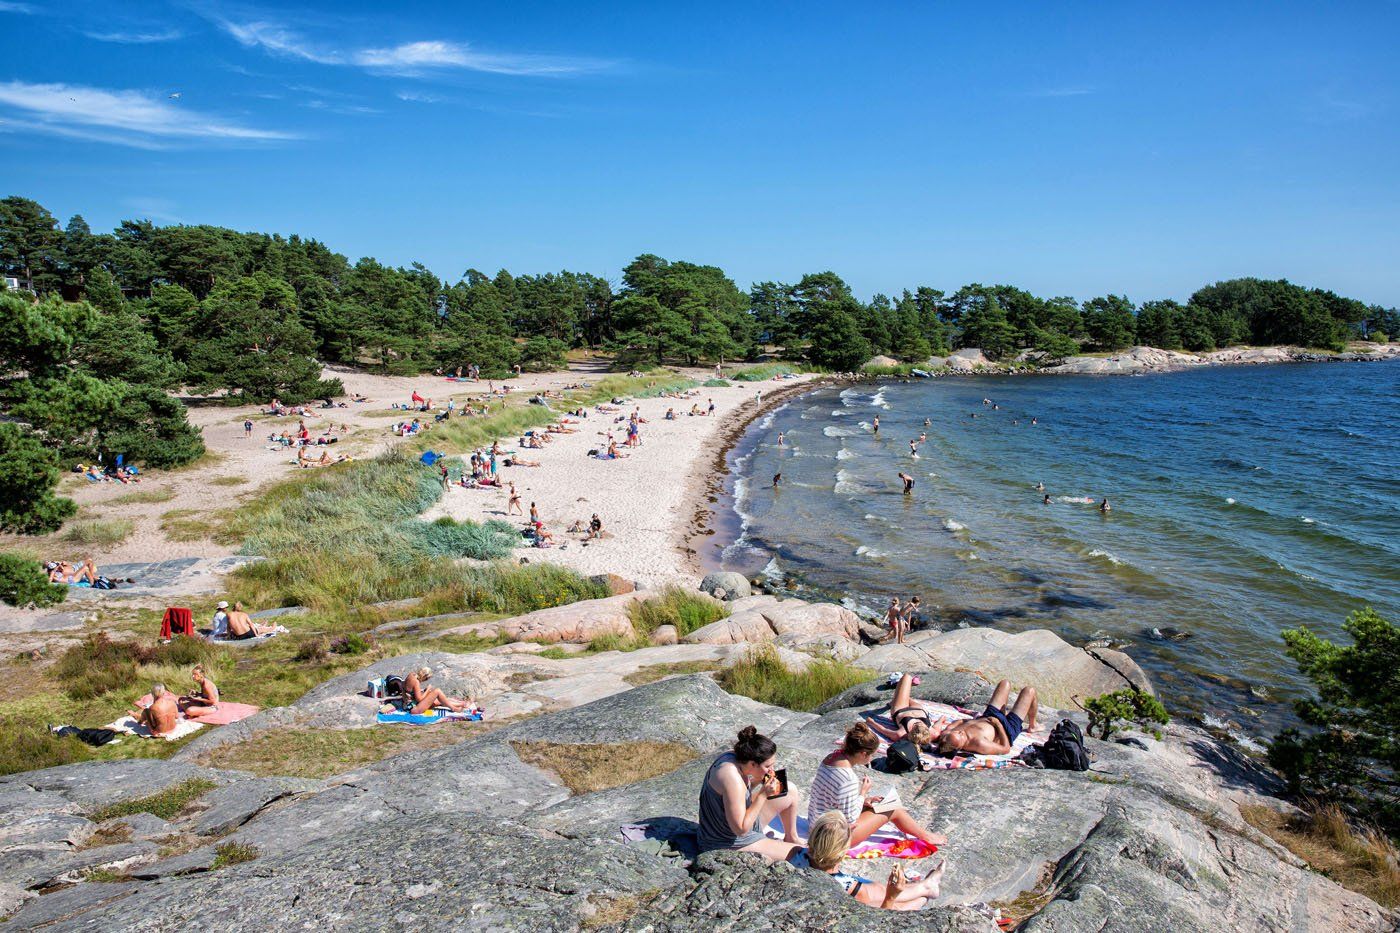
(1070, 148)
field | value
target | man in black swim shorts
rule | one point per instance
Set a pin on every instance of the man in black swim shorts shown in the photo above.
(996, 730)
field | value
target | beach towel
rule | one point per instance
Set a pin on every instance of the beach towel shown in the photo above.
(948, 713)
(130, 726)
(886, 842)
(177, 621)
(226, 714)
(424, 719)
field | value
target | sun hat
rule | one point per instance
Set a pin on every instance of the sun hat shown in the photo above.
(222, 605)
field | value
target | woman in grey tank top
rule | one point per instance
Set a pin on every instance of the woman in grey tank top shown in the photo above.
(739, 797)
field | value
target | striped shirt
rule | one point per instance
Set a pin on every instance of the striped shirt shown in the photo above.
(835, 789)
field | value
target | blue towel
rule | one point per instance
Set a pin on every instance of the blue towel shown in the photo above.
(423, 719)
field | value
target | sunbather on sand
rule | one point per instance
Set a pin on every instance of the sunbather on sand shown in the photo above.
(202, 702)
(996, 730)
(836, 787)
(425, 698)
(161, 715)
(911, 720)
(740, 795)
(828, 840)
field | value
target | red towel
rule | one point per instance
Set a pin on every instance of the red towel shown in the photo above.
(416, 397)
(177, 621)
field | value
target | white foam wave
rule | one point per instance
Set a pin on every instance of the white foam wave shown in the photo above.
(968, 555)
(953, 525)
(832, 430)
(870, 552)
(844, 454)
(1082, 499)
(1306, 521)
(1229, 500)
(1105, 555)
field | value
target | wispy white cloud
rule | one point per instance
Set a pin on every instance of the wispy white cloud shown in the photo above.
(1072, 90)
(119, 116)
(419, 98)
(136, 38)
(6, 6)
(408, 58)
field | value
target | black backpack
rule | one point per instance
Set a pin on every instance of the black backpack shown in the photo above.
(393, 687)
(902, 756)
(1065, 750)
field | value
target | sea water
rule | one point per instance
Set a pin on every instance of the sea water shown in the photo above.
(1245, 501)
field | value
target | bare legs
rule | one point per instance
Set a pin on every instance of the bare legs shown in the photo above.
(775, 850)
(435, 697)
(869, 821)
(1027, 707)
(902, 694)
(914, 896)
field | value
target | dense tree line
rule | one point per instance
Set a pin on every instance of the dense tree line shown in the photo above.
(106, 326)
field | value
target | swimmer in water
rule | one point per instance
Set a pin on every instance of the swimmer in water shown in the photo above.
(913, 448)
(1033, 421)
(781, 442)
(1104, 507)
(1039, 487)
(986, 401)
(923, 436)
(1046, 500)
(877, 424)
(908, 483)
(777, 480)
(928, 422)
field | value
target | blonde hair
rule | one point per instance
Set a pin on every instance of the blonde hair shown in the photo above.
(920, 733)
(424, 673)
(828, 838)
(860, 738)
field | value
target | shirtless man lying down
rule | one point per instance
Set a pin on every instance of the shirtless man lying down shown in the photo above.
(996, 730)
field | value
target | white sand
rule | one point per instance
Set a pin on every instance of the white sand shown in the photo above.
(642, 500)
(645, 501)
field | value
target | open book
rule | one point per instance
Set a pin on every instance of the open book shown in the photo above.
(889, 800)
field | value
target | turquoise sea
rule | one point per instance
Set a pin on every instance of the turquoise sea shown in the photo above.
(1245, 500)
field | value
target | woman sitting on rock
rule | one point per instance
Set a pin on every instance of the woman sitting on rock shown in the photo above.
(828, 840)
(740, 796)
(836, 787)
(424, 699)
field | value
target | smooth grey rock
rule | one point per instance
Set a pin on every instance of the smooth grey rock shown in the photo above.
(38, 868)
(735, 585)
(427, 872)
(56, 908)
(143, 826)
(954, 687)
(93, 784)
(228, 807)
(42, 621)
(18, 799)
(46, 830)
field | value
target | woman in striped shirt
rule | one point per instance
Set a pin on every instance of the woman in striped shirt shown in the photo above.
(836, 787)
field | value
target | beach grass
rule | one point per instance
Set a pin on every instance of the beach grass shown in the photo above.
(189, 525)
(761, 675)
(762, 371)
(228, 481)
(96, 532)
(322, 753)
(685, 610)
(166, 804)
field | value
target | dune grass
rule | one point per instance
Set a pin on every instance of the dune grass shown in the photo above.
(190, 525)
(98, 664)
(1359, 858)
(761, 372)
(761, 675)
(228, 481)
(96, 532)
(350, 535)
(686, 610)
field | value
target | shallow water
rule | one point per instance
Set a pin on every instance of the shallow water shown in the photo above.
(1246, 500)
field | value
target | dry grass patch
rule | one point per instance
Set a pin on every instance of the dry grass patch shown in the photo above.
(584, 769)
(612, 911)
(1361, 859)
(143, 496)
(167, 804)
(187, 525)
(99, 532)
(313, 753)
(654, 672)
(228, 481)
(1027, 904)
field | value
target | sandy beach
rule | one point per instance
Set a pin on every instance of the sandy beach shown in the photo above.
(647, 500)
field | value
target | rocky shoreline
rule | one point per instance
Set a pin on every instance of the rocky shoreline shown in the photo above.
(481, 834)
(1143, 359)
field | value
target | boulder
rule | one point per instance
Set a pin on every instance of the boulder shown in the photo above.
(576, 622)
(955, 687)
(880, 362)
(734, 585)
(966, 361)
(792, 617)
(830, 647)
(665, 635)
(935, 362)
(751, 626)
(1058, 670)
(617, 586)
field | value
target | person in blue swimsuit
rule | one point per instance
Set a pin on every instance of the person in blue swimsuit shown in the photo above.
(827, 842)
(996, 730)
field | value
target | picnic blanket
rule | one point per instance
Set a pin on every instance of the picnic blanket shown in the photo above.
(226, 714)
(423, 719)
(130, 726)
(885, 842)
(949, 713)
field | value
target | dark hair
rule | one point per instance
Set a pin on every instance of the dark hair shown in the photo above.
(752, 747)
(860, 738)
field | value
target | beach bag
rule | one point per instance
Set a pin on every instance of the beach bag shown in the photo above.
(903, 756)
(1065, 750)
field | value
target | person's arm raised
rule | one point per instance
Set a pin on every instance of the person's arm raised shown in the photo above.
(740, 816)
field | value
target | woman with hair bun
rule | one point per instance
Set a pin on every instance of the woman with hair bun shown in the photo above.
(741, 794)
(836, 787)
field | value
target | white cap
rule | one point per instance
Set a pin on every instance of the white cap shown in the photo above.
(222, 605)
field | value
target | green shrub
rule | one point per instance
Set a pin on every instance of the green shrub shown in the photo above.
(98, 665)
(167, 804)
(1127, 707)
(30, 746)
(23, 582)
(761, 675)
(448, 538)
(716, 383)
(611, 641)
(685, 610)
(354, 643)
(232, 853)
(1353, 756)
(761, 372)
